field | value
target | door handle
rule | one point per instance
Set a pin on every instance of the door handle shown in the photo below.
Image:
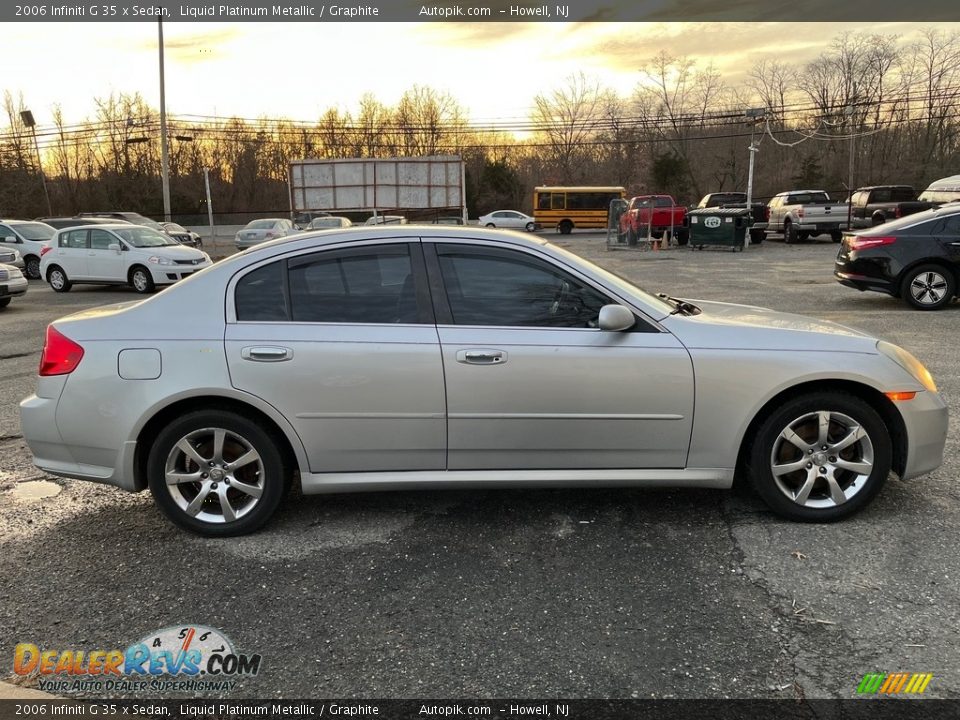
(482, 356)
(266, 353)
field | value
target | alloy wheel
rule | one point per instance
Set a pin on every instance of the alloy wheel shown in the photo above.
(928, 288)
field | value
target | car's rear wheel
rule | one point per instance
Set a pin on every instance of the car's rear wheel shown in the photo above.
(141, 280)
(928, 287)
(32, 267)
(216, 473)
(491, 225)
(757, 237)
(820, 457)
(565, 227)
(58, 279)
(789, 233)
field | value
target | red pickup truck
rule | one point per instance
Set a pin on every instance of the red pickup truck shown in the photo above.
(653, 215)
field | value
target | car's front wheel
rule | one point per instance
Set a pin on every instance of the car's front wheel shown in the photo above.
(820, 457)
(530, 227)
(216, 473)
(58, 279)
(141, 280)
(928, 287)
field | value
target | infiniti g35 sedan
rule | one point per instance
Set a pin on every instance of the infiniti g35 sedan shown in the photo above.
(399, 357)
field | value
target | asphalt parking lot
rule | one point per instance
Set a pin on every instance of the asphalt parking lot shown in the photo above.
(563, 593)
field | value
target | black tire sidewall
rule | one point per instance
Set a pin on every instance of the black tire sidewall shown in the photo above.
(149, 287)
(761, 476)
(275, 481)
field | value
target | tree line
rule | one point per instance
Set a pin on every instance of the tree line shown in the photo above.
(878, 105)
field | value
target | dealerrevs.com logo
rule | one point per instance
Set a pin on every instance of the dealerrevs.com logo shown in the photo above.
(900, 683)
(180, 658)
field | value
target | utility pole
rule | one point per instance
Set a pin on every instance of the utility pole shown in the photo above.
(164, 157)
(853, 144)
(206, 182)
(754, 115)
(27, 117)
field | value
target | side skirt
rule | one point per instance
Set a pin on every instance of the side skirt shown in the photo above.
(318, 483)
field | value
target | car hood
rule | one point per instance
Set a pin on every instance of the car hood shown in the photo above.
(175, 252)
(730, 326)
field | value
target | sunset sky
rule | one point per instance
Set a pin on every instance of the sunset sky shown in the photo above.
(298, 70)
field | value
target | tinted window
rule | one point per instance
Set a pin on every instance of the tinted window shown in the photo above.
(260, 295)
(101, 240)
(374, 285)
(73, 239)
(902, 194)
(503, 287)
(543, 201)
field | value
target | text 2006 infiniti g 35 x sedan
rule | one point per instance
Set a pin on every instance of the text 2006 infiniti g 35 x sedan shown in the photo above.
(415, 357)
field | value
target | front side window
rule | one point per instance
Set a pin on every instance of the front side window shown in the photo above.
(509, 288)
(101, 240)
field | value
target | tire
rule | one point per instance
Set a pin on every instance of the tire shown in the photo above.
(141, 280)
(928, 287)
(836, 235)
(204, 505)
(826, 485)
(683, 237)
(757, 237)
(58, 279)
(565, 227)
(491, 225)
(32, 267)
(5, 301)
(878, 220)
(530, 227)
(789, 233)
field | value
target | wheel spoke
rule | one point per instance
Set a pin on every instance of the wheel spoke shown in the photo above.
(228, 514)
(861, 468)
(194, 507)
(251, 490)
(219, 435)
(191, 452)
(248, 457)
(175, 478)
(856, 433)
(779, 470)
(824, 426)
(803, 493)
(791, 437)
(836, 494)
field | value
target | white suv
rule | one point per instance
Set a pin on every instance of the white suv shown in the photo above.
(29, 237)
(117, 254)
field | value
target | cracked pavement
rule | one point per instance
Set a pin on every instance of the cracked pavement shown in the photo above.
(525, 593)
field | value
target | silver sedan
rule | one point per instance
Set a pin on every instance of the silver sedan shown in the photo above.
(418, 357)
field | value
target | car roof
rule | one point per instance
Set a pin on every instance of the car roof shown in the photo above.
(109, 226)
(11, 221)
(407, 233)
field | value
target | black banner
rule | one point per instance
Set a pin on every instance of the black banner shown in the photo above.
(865, 709)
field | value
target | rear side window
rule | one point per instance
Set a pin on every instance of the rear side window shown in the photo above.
(73, 239)
(261, 296)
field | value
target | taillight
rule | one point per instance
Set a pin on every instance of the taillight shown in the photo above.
(271, 234)
(44, 249)
(800, 211)
(61, 355)
(766, 213)
(898, 211)
(859, 242)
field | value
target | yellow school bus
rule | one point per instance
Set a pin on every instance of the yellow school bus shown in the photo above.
(566, 208)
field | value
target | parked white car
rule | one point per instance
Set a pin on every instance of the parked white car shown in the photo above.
(29, 237)
(117, 254)
(509, 219)
(258, 231)
(329, 222)
(12, 284)
(11, 256)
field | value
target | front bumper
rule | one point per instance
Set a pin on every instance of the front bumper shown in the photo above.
(13, 287)
(926, 419)
(166, 274)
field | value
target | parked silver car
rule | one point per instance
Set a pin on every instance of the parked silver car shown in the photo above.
(12, 284)
(258, 231)
(420, 357)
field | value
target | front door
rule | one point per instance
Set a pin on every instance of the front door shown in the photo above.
(533, 383)
(102, 262)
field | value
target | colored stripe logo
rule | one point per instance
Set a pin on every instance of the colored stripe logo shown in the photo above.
(894, 683)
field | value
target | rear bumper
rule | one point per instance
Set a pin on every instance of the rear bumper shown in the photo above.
(822, 227)
(865, 282)
(926, 419)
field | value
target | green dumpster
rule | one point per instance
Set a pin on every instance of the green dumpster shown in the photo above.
(724, 227)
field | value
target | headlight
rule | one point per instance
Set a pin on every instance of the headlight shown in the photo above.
(15, 273)
(909, 363)
(206, 257)
(157, 260)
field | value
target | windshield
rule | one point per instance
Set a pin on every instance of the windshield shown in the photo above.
(628, 287)
(326, 222)
(173, 227)
(143, 237)
(260, 224)
(35, 231)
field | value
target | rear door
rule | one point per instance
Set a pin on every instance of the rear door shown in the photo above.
(533, 383)
(342, 342)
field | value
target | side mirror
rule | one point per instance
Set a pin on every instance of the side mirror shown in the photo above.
(10, 239)
(114, 246)
(616, 318)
